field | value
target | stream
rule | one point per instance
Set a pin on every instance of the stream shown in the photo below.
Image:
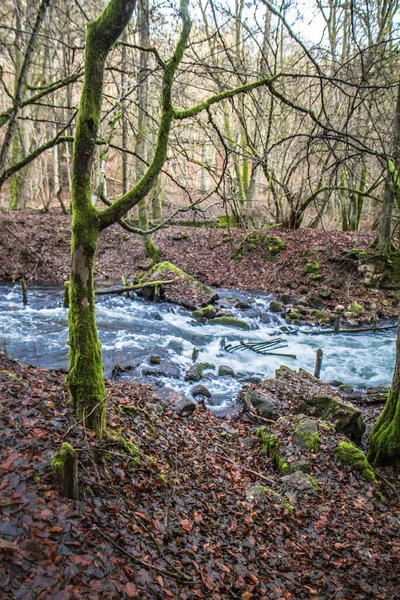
(133, 330)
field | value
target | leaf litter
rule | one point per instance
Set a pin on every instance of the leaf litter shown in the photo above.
(173, 520)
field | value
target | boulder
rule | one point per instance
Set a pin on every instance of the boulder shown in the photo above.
(293, 393)
(297, 443)
(186, 290)
(230, 322)
(200, 390)
(184, 407)
(196, 371)
(275, 306)
(225, 371)
(262, 401)
(297, 484)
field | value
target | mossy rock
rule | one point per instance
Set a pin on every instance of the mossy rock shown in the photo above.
(186, 290)
(225, 371)
(275, 306)
(350, 455)
(230, 322)
(272, 448)
(195, 372)
(307, 436)
(272, 245)
(346, 418)
(208, 312)
(355, 309)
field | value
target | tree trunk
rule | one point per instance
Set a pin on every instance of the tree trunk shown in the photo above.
(85, 379)
(383, 243)
(150, 249)
(384, 443)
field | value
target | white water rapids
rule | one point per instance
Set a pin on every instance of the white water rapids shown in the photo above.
(132, 330)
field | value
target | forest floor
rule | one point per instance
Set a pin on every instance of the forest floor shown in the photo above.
(36, 246)
(176, 518)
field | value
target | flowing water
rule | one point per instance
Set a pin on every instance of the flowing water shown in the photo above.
(132, 330)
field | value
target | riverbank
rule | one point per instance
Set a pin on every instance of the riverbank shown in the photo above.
(191, 508)
(318, 269)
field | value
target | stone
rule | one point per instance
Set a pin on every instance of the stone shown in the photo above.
(186, 290)
(355, 309)
(306, 435)
(377, 390)
(325, 293)
(230, 322)
(208, 312)
(345, 389)
(297, 484)
(275, 306)
(315, 301)
(339, 309)
(256, 493)
(264, 404)
(200, 390)
(242, 305)
(285, 298)
(154, 360)
(184, 407)
(225, 371)
(196, 371)
(345, 417)
(164, 368)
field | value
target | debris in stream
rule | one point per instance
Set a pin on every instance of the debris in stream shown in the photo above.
(264, 348)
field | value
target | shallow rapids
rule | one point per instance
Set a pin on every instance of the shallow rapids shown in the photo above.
(132, 330)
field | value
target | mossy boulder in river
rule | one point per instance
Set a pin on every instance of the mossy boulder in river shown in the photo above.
(227, 321)
(185, 289)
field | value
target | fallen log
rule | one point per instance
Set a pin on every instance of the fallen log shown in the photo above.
(132, 288)
(354, 330)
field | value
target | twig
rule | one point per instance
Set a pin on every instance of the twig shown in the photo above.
(178, 575)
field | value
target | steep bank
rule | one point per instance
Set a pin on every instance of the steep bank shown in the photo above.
(36, 246)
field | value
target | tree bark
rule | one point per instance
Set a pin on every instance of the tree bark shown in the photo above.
(384, 442)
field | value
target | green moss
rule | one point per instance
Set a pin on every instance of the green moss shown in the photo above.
(271, 244)
(350, 455)
(227, 221)
(65, 470)
(230, 322)
(312, 268)
(307, 434)
(384, 443)
(208, 312)
(356, 309)
(313, 482)
(271, 447)
(275, 306)
(320, 315)
(130, 448)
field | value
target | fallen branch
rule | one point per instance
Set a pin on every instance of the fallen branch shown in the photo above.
(131, 288)
(143, 563)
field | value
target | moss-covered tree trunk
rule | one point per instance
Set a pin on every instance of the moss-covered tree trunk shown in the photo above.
(85, 379)
(384, 443)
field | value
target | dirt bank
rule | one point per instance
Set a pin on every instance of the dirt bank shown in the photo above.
(36, 245)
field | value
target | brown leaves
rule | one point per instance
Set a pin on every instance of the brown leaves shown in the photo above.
(195, 536)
